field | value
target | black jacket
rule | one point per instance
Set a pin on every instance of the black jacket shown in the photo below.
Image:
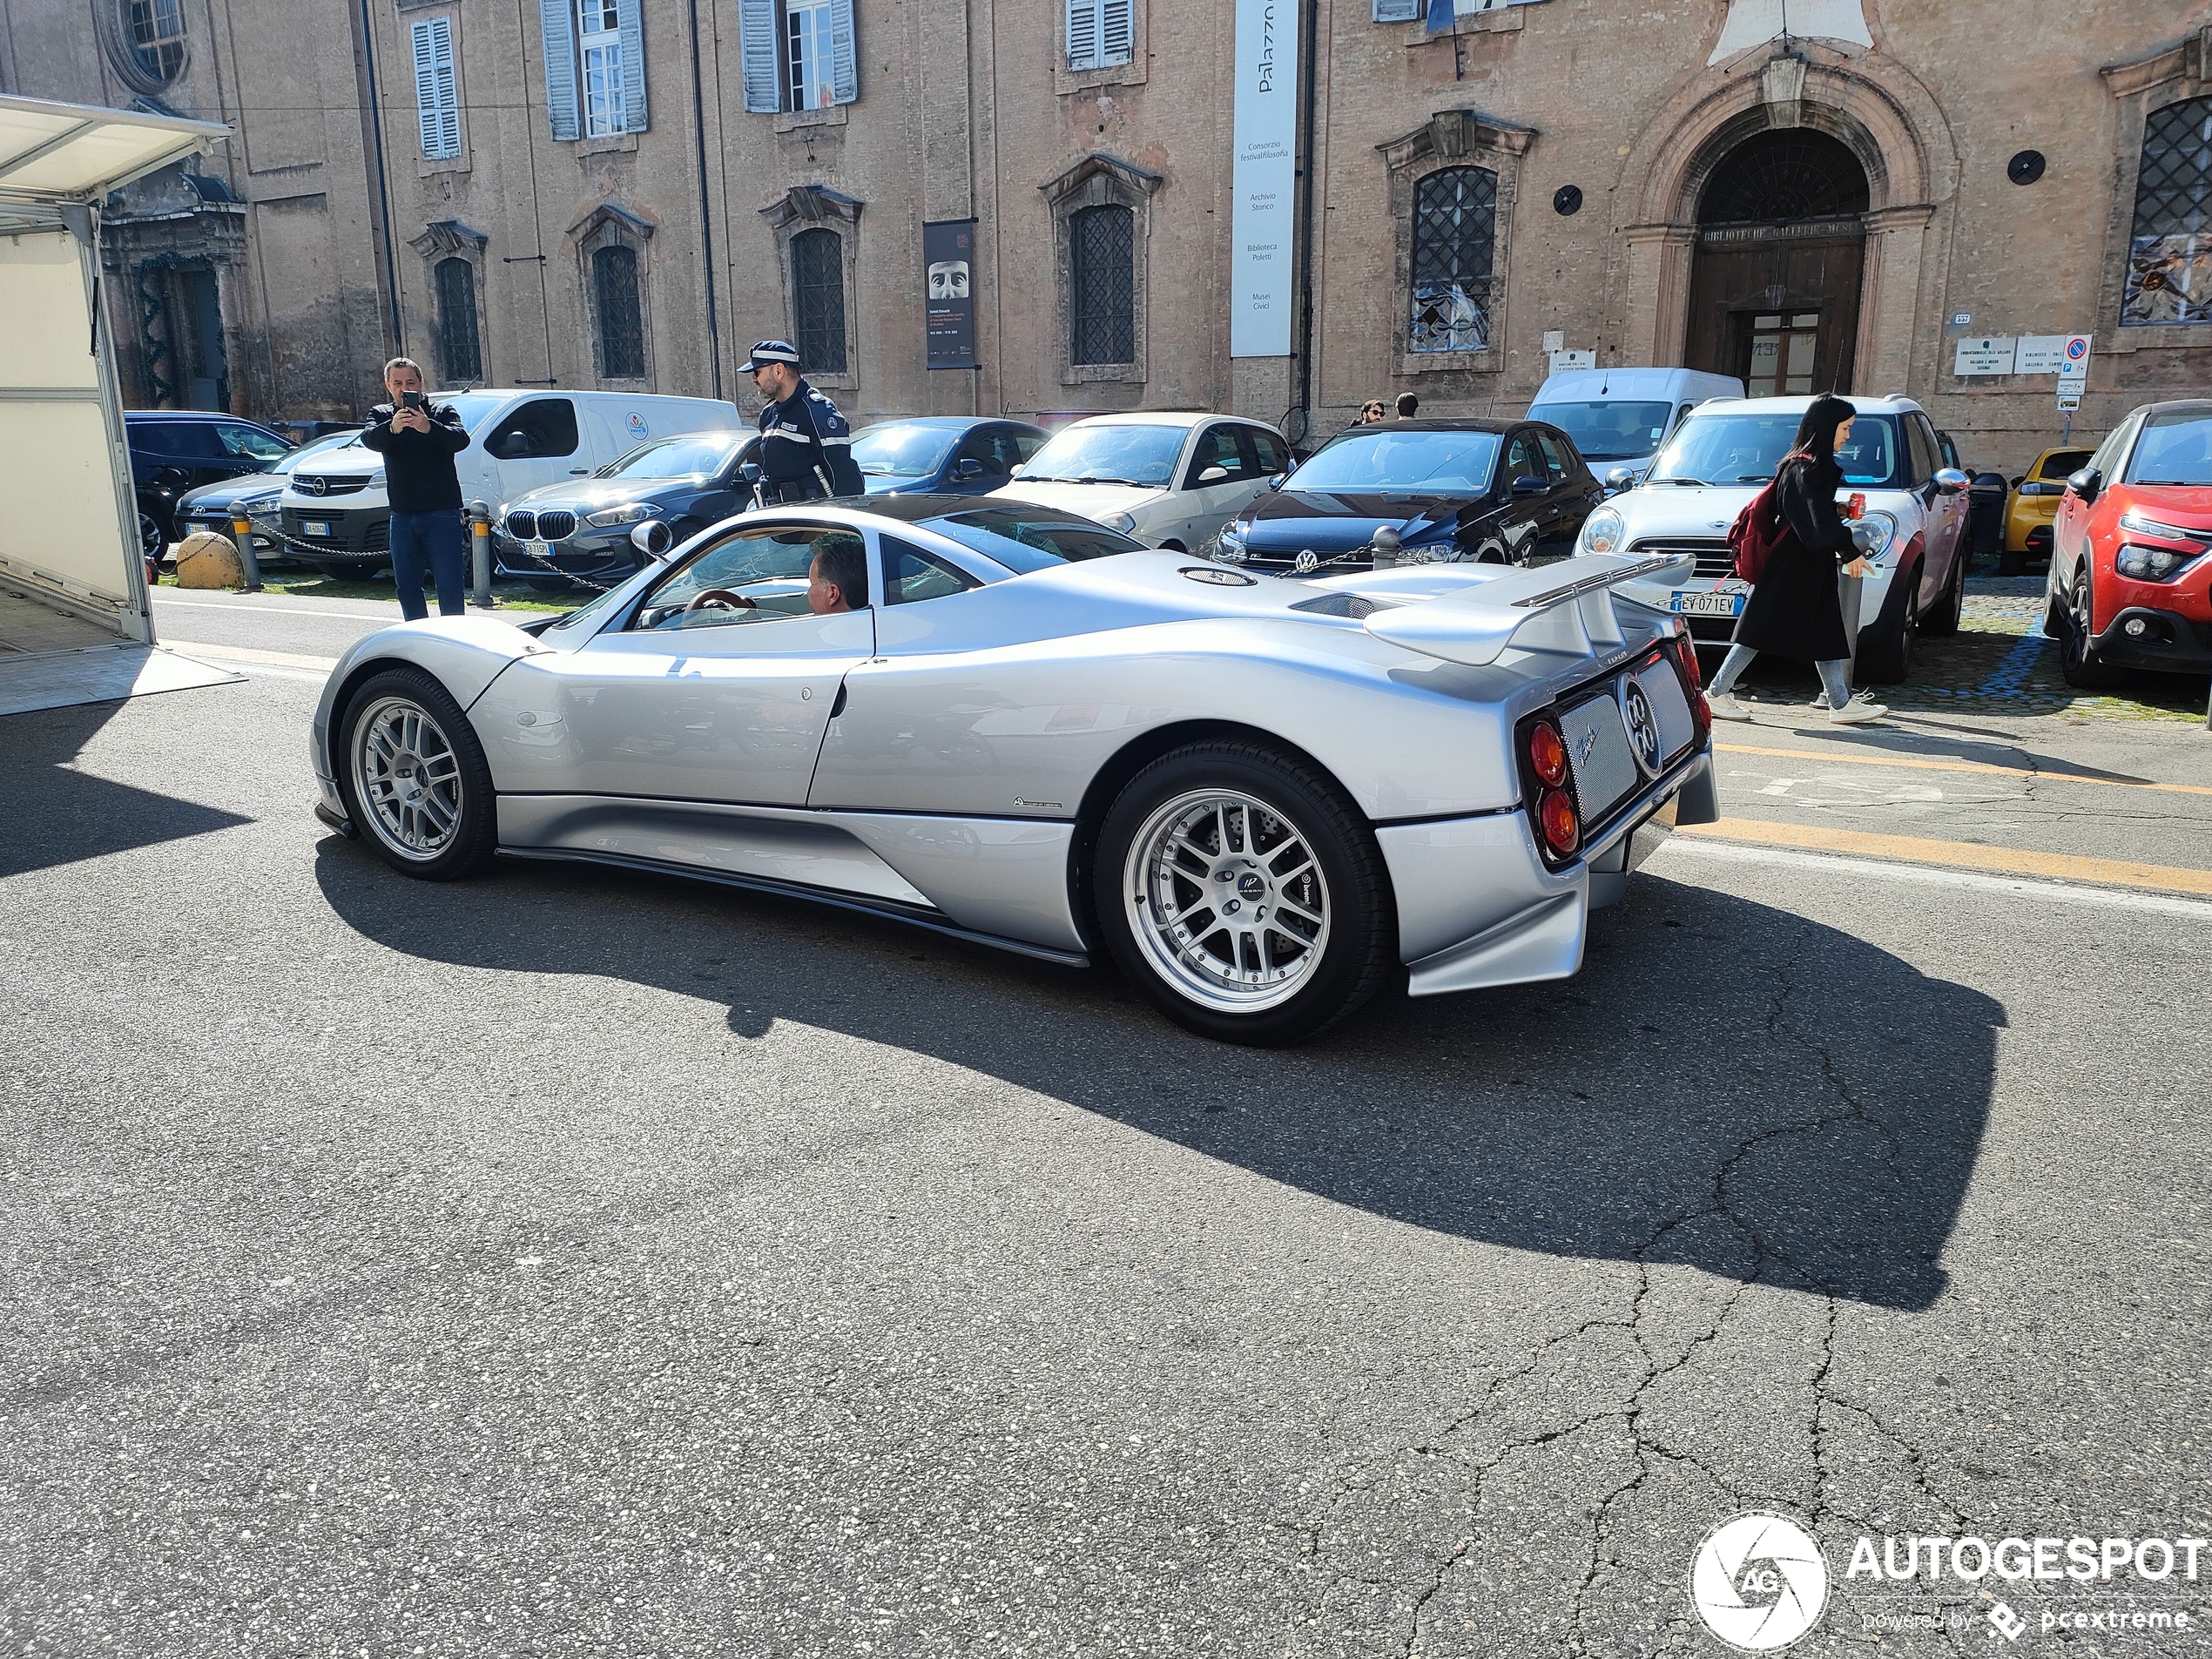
(419, 473)
(1794, 610)
(805, 445)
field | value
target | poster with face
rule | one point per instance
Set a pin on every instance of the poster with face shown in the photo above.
(948, 250)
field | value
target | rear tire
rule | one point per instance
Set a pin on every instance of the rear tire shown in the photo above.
(1243, 895)
(415, 779)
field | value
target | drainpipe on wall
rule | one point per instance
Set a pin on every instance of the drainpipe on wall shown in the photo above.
(706, 222)
(1305, 230)
(383, 184)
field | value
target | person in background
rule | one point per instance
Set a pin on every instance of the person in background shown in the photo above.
(1406, 404)
(1371, 412)
(1795, 609)
(806, 448)
(418, 438)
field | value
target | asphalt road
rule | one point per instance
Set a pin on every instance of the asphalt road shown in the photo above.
(570, 1263)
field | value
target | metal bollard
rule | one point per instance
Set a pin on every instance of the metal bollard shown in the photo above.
(479, 555)
(242, 533)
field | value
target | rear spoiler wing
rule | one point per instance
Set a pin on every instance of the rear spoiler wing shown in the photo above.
(1564, 607)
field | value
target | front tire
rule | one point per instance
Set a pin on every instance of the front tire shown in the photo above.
(1243, 895)
(2078, 663)
(1885, 651)
(415, 777)
(1943, 621)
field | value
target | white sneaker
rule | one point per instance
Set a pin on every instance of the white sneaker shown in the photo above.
(1726, 707)
(1821, 702)
(1858, 711)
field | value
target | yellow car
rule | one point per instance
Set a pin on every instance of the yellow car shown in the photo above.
(2034, 503)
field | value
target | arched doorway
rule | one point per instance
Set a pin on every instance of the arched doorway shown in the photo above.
(1774, 289)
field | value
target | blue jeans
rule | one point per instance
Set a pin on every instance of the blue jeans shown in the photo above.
(1739, 658)
(435, 538)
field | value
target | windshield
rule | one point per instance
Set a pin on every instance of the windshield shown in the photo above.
(900, 449)
(1110, 454)
(1425, 463)
(474, 407)
(1032, 538)
(1607, 431)
(1746, 449)
(675, 458)
(2173, 449)
(323, 445)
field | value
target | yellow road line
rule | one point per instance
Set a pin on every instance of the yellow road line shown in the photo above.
(1913, 849)
(1921, 764)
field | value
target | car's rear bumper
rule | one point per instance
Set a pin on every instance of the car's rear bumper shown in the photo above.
(1477, 907)
(2165, 641)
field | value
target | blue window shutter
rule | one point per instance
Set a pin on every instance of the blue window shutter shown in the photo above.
(756, 40)
(845, 69)
(1082, 34)
(559, 18)
(633, 65)
(1116, 42)
(448, 94)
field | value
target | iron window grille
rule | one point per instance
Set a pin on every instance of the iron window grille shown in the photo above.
(1455, 215)
(2169, 251)
(622, 326)
(817, 299)
(460, 353)
(1102, 258)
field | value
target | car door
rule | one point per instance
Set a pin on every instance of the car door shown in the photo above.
(707, 705)
(2070, 526)
(1215, 483)
(984, 461)
(534, 444)
(1945, 515)
(1573, 493)
(247, 449)
(1524, 489)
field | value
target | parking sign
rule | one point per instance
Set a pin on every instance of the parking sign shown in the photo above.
(2076, 367)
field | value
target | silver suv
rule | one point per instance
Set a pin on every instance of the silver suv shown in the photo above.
(1915, 519)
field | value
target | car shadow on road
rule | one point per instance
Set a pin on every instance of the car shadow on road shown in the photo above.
(1725, 1084)
(56, 814)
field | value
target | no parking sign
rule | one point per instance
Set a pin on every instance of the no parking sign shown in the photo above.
(2076, 365)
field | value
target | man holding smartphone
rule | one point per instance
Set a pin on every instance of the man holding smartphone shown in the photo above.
(418, 439)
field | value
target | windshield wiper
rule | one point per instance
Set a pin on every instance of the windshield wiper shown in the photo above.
(1753, 477)
(1700, 482)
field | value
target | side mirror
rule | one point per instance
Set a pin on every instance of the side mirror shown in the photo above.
(2019, 478)
(1523, 487)
(1017, 469)
(1949, 481)
(749, 473)
(965, 468)
(1213, 474)
(652, 538)
(2085, 483)
(1619, 478)
(1278, 481)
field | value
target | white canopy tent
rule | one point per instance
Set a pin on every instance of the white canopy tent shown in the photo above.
(72, 572)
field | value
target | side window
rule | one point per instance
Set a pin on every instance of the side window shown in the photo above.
(2107, 460)
(987, 447)
(1268, 453)
(1217, 448)
(1522, 459)
(797, 54)
(1555, 461)
(1681, 412)
(543, 428)
(250, 444)
(1027, 443)
(768, 566)
(1947, 449)
(911, 575)
(1920, 446)
(185, 441)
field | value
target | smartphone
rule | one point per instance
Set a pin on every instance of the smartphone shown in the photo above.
(414, 401)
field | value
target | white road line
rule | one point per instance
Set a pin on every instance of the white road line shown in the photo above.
(302, 608)
(1964, 881)
(249, 654)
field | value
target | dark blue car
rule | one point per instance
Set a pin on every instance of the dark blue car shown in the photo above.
(942, 454)
(174, 450)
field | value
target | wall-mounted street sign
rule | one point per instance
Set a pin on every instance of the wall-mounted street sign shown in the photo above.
(1980, 355)
(2069, 395)
(2076, 367)
(1561, 361)
(1264, 180)
(948, 307)
(2041, 354)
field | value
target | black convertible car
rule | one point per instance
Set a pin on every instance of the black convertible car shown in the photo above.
(1416, 492)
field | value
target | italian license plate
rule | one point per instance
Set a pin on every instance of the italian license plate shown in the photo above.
(315, 527)
(1707, 604)
(539, 550)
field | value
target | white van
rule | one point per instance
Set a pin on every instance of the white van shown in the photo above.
(1620, 417)
(336, 519)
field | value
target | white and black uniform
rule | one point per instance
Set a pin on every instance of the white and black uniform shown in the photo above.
(806, 449)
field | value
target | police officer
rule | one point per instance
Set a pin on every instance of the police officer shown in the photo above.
(805, 448)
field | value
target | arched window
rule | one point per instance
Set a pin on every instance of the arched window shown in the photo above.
(1102, 260)
(144, 40)
(2170, 252)
(817, 299)
(622, 325)
(1456, 224)
(460, 357)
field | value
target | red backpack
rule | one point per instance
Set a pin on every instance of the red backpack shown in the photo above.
(1759, 529)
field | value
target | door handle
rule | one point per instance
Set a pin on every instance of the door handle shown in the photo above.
(578, 472)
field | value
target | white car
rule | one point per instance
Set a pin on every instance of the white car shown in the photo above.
(1169, 479)
(1914, 520)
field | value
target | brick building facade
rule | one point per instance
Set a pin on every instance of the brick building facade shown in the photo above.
(628, 192)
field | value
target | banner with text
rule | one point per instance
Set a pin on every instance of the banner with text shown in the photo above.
(948, 250)
(1263, 178)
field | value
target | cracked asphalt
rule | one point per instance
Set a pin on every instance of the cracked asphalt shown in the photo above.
(573, 1263)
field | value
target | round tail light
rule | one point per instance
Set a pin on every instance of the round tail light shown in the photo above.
(1556, 813)
(1547, 752)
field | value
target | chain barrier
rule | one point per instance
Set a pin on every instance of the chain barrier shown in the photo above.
(323, 552)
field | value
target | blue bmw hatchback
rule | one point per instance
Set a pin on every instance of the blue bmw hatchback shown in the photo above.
(944, 455)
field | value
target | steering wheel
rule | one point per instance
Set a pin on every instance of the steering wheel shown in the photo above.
(718, 599)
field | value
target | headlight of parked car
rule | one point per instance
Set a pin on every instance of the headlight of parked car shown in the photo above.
(629, 513)
(253, 504)
(1125, 522)
(1604, 531)
(2152, 564)
(1873, 534)
(2133, 519)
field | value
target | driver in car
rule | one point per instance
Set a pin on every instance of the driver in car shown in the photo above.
(836, 581)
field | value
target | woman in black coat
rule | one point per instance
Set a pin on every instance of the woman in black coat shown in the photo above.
(1794, 609)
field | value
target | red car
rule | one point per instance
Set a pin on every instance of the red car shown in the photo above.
(2131, 552)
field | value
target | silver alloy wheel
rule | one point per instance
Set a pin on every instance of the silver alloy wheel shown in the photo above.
(407, 779)
(1227, 902)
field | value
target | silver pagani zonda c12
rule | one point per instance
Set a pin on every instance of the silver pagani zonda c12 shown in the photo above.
(1262, 799)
